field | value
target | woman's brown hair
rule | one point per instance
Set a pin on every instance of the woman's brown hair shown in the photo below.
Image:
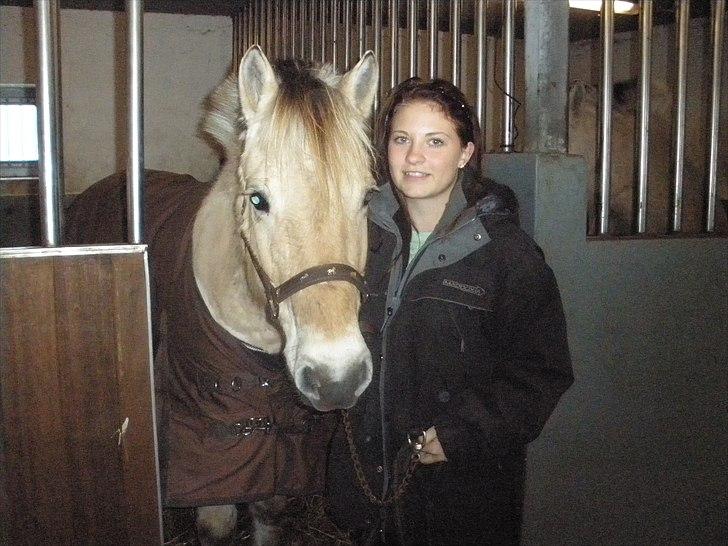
(444, 94)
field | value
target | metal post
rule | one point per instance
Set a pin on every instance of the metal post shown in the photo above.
(362, 28)
(135, 166)
(605, 113)
(717, 20)
(302, 19)
(412, 24)
(377, 16)
(393, 42)
(546, 24)
(683, 19)
(236, 36)
(284, 29)
(294, 28)
(277, 43)
(334, 10)
(312, 28)
(455, 30)
(509, 30)
(432, 32)
(322, 14)
(643, 144)
(347, 34)
(50, 154)
(481, 37)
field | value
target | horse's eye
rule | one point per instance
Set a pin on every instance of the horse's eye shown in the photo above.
(368, 196)
(259, 202)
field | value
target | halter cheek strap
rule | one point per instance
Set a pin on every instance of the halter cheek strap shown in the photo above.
(308, 277)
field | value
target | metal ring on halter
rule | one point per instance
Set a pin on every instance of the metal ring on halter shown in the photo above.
(417, 440)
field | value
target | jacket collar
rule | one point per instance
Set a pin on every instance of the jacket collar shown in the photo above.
(483, 198)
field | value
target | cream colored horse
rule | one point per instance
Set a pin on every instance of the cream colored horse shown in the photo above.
(294, 183)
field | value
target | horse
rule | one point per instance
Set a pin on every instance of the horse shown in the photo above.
(582, 120)
(256, 282)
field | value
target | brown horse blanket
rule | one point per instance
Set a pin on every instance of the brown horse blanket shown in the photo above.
(231, 426)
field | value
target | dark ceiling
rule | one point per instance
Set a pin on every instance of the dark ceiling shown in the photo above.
(583, 24)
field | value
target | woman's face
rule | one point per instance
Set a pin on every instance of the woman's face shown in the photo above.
(425, 152)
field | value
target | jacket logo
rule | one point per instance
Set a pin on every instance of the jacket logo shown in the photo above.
(476, 290)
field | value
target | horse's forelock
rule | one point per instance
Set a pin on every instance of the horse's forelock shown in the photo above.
(325, 121)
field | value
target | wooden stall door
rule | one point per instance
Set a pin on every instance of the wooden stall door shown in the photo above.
(78, 461)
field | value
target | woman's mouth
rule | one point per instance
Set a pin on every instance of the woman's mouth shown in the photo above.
(415, 174)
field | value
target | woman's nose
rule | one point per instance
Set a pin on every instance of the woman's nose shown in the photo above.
(414, 155)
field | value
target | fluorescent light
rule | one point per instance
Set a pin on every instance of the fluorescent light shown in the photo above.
(620, 6)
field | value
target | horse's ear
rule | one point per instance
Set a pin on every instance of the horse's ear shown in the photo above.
(255, 79)
(360, 83)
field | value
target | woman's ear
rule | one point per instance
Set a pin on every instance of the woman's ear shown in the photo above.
(466, 154)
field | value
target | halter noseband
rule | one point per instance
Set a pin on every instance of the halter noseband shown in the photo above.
(308, 277)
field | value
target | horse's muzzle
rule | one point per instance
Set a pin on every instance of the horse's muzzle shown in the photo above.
(328, 389)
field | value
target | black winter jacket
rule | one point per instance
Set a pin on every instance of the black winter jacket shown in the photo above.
(469, 337)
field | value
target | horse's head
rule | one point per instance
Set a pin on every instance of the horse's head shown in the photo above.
(303, 176)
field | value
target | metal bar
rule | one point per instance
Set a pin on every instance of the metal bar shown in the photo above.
(51, 183)
(251, 27)
(135, 162)
(302, 19)
(256, 22)
(284, 29)
(312, 28)
(546, 30)
(334, 10)
(605, 113)
(509, 29)
(455, 31)
(347, 34)
(362, 27)
(683, 19)
(294, 28)
(481, 37)
(377, 16)
(276, 43)
(393, 42)
(717, 26)
(322, 14)
(643, 142)
(432, 33)
(412, 25)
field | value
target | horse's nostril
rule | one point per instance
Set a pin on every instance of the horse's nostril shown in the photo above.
(310, 381)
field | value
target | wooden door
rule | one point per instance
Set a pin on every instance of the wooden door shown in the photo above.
(75, 365)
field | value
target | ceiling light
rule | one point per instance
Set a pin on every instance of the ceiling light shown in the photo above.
(620, 6)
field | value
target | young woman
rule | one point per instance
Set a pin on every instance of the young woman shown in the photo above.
(466, 328)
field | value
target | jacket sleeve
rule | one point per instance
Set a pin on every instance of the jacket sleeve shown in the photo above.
(530, 372)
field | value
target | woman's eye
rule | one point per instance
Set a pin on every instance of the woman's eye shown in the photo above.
(259, 202)
(399, 140)
(437, 142)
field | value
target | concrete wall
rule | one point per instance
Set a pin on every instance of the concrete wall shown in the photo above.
(184, 58)
(635, 453)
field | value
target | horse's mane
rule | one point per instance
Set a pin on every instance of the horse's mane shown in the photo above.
(310, 115)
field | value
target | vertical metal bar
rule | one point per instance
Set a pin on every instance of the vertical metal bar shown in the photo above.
(277, 38)
(683, 19)
(605, 113)
(481, 37)
(51, 190)
(509, 27)
(251, 27)
(717, 27)
(322, 14)
(643, 144)
(135, 165)
(256, 22)
(312, 28)
(347, 34)
(412, 25)
(269, 37)
(432, 33)
(378, 54)
(362, 27)
(455, 30)
(294, 27)
(393, 42)
(285, 29)
(334, 10)
(302, 19)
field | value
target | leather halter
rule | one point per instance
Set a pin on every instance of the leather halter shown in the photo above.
(274, 295)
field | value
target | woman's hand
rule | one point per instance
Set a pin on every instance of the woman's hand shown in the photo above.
(432, 451)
